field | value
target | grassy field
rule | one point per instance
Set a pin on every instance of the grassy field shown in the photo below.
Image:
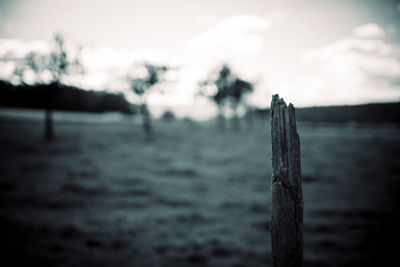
(102, 194)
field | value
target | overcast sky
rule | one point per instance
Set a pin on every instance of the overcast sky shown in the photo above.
(310, 52)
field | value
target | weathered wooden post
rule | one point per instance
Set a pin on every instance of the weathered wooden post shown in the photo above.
(287, 196)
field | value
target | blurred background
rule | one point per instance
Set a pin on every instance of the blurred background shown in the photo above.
(137, 133)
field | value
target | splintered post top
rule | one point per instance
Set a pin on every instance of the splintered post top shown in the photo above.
(285, 141)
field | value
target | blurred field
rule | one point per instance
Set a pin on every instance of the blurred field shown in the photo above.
(102, 194)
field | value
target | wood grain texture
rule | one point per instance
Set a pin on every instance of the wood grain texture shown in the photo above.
(287, 196)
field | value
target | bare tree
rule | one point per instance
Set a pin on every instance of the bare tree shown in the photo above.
(59, 61)
(19, 71)
(229, 89)
(237, 90)
(37, 63)
(143, 87)
(214, 88)
(59, 64)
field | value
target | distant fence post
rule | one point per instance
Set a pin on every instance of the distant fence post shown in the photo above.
(286, 189)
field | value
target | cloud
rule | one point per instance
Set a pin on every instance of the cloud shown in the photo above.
(238, 34)
(104, 67)
(370, 30)
(236, 40)
(15, 48)
(107, 58)
(360, 68)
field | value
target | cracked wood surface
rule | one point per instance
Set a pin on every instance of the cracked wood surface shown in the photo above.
(287, 196)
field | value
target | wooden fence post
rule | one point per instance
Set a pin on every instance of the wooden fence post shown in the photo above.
(287, 196)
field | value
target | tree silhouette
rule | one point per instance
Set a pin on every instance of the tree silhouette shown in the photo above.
(142, 87)
(19, 71)
(219, 95)
(229, 88)
(58, 64)
(237, 90)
